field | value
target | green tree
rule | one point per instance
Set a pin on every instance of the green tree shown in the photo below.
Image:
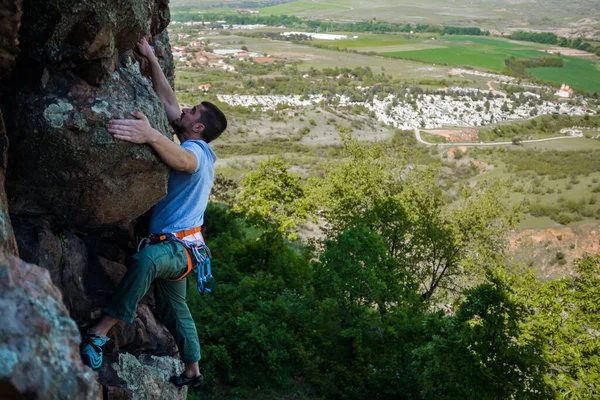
(567, 313)
(273, 198)
(481, 352)
(439, 241)
(360, 293)
(352, 187)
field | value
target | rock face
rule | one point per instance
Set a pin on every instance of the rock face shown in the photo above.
(39, 345)
(8, 244)
(75, 195)
(64, 163)
(142, 378)
(10, 20)
(87, 270)
(87, 36)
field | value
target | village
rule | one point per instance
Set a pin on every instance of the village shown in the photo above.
(199, 50)
(448, 107)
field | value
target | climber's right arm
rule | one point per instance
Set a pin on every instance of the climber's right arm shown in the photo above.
(159, 81)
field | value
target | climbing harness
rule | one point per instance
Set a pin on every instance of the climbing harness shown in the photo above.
(197, 252)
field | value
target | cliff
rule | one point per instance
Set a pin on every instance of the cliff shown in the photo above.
(71, 195)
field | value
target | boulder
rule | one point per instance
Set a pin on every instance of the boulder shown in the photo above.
(10, 21)
(63, 162)
(86, 36)
(87, 280)
(39, 343)
(75, 193)
(141, 378)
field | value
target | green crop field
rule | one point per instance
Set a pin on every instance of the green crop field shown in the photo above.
(367, 40)
(469, 50)
(489, 53)
(579, 73)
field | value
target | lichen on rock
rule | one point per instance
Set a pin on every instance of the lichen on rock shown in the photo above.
(101, 107)
(40, 342)
(57, 113)
(144, 378)
(65, 163)
(75, 193)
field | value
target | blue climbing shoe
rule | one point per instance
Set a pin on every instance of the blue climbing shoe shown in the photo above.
(91, 350)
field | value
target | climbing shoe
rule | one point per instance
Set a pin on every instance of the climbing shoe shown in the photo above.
(182, 380)
(91, 350)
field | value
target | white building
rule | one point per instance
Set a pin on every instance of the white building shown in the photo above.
(322, 36)
(565, 91)
(229, 52)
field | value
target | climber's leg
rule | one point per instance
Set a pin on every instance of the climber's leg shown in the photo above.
(175, 314)
(166, 259)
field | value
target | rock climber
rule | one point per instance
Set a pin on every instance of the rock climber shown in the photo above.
(174, 223)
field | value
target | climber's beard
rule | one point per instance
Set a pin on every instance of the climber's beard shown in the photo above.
(179, 128)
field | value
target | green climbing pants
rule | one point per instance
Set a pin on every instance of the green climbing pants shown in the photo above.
(166, 259)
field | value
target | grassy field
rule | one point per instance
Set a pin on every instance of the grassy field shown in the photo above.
(579, 73)
(366, 40)
(489, 14)
(469, 50)
(490, 53)
(323, 58)
(302, 9)
(571, 144)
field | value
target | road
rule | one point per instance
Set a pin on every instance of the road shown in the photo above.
(420, 140)
(494, 90)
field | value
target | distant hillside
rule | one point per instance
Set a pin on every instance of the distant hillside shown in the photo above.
(228, 3)
(570, 18)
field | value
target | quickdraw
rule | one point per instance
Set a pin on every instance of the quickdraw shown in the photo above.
(205, 280)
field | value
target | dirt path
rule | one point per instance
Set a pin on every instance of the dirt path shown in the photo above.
(420, 140)
(494, 90)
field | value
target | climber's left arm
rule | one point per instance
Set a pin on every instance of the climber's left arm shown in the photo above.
(139, 131)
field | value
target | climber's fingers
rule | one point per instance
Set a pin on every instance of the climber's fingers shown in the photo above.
(144, 48)
(117, 126)
(128, 136)
(131, 130)
(120, 132)
(129, 122)
(139, 116)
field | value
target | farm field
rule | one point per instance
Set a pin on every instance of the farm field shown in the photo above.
(489, 14)
(366, 40)
(433, 11)
(303, 8)
(322, 58)
(490, 54)
(580, 73)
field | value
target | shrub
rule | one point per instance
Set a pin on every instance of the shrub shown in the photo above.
(564, 219)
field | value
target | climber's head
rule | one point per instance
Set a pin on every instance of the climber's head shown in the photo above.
(204, 122)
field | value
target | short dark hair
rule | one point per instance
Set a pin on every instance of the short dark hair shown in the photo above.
(214, 121)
